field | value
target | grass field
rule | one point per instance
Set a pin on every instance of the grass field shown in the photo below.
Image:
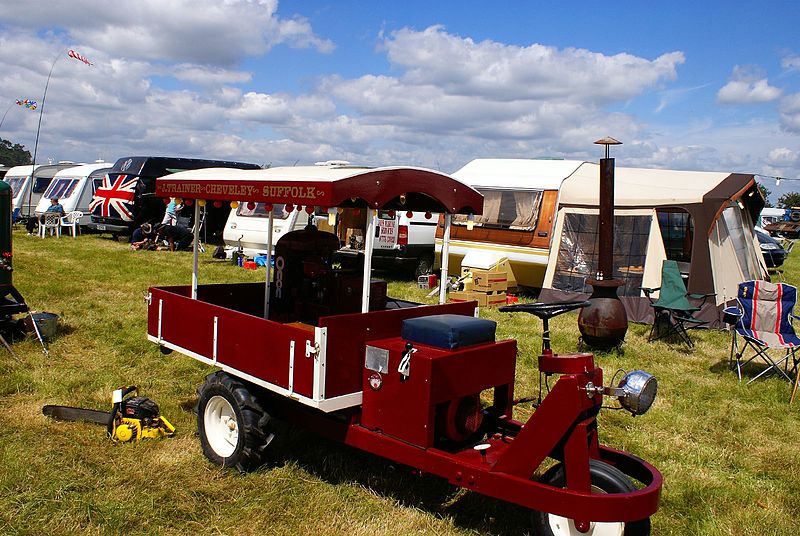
(728, 451)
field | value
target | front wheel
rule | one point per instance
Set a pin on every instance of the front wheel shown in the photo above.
(233, 427)
(605, 479)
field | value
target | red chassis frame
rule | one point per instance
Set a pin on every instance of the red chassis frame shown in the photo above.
(563, 427)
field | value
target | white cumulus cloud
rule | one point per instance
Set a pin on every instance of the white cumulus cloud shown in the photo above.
(747, 86)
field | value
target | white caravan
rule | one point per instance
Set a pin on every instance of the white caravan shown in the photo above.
(24, 198)
(74, 188)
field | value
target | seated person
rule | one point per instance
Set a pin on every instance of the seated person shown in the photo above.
(178, 236)
(55, 206)
(143, 237)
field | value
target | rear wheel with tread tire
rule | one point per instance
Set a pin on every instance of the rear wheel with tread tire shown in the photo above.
(234, 429)
(605, 479)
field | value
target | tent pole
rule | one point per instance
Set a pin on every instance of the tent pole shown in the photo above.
(369, 242)
(269, 265)
(445, 258)
(195, 247)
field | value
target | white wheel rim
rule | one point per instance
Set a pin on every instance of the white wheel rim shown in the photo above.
(221, 427)
(562, 526)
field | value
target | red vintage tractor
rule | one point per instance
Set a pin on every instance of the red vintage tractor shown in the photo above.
(319, 344)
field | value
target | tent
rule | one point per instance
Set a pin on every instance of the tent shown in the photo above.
(702, 220)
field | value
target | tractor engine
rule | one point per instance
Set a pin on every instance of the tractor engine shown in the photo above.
(460, 419)
(424, 387)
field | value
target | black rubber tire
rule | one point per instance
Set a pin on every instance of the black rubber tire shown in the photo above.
(607, 479)
(252, 423)
(424, 266)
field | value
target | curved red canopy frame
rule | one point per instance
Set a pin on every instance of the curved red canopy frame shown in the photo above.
(393, 188)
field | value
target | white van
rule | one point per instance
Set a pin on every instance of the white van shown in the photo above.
(401, 240)
(27, 190)
(771, 215)
(405, 240)
(247, 227)
(74, 188)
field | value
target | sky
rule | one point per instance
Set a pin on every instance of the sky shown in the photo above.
(703, 85)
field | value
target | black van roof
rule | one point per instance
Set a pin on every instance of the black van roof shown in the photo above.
(157, 166)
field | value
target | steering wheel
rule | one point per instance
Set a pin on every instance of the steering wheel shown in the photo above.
(545, 310)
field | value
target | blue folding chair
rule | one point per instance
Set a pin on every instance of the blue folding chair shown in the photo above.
(763, 319)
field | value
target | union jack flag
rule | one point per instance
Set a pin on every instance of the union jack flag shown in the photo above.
(114, 197)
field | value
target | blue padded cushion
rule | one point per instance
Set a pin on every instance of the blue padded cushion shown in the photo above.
(448, 331)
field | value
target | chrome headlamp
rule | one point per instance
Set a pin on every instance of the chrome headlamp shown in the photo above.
(636, 392)
(639, 391)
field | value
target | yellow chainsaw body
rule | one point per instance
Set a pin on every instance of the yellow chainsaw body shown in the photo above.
(127, 429)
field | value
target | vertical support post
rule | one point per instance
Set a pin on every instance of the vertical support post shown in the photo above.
(606, 222)
(195, 248)
(269, 264)
(445, 257)
(369, 243)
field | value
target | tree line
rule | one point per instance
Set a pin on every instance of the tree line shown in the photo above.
(13, 154)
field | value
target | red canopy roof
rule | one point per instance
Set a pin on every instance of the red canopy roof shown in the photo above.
(398, 188)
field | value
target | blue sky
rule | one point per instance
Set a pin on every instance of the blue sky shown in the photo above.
(686, 85)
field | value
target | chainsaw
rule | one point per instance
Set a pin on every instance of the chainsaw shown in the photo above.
(131, 417)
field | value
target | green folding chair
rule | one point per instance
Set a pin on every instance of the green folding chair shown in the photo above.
(673, 311)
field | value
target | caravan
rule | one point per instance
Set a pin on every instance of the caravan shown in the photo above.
(27, 190)
(74, 188)
(520, 197)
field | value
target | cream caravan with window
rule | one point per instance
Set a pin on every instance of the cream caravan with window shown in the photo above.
(520, 198)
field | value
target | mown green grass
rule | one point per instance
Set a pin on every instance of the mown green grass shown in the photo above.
(727, 450)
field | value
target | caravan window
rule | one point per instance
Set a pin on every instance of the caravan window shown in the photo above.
(578, 254)
(41, 184)
(507, 209)
(61, 188)
(677, 231)
(259, 210)
(16, 184)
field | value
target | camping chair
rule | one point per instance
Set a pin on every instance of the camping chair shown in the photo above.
(73, 221)
(762, 319)
(52, 221)
(672, 311)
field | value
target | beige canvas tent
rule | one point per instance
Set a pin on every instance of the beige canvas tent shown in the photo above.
(703, 220)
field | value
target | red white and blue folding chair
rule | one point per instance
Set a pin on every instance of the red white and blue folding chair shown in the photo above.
(763, 319)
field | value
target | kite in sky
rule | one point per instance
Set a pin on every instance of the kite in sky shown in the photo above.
(31, 105)
(75, 55)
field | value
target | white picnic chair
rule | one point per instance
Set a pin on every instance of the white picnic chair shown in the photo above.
(72, 220)
(52, 222)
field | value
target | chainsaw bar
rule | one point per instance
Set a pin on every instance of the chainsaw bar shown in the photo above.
(67, 413)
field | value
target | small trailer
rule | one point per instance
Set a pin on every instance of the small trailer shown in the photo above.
(320, 344)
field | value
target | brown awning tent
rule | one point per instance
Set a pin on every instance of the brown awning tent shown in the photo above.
(704, 220)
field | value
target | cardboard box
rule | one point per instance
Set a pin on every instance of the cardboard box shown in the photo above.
(484, 299)
(489, 280)
(488, 264)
